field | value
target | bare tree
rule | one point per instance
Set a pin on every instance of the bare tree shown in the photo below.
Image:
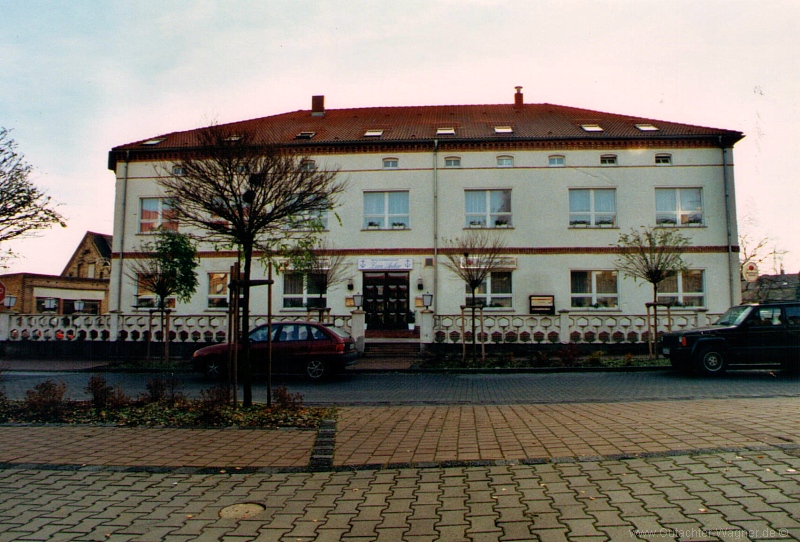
(321, 267)
(652, 254)
(754, 248)
(472, 257)
(166, 268)
(241, 192)
(24, 208)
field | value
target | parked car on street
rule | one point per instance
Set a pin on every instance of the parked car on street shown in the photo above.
(748, 335)
(305, 348)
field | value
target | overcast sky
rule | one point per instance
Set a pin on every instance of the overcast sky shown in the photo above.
(80, 77)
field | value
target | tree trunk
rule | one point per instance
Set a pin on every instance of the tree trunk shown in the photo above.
(247, 379)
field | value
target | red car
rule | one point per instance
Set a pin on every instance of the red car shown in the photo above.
(308, 348)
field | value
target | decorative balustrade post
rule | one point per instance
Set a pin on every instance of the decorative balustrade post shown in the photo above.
(425, 329)
(702, 317)
(5, 325)
(357, 328)
(115, 324)
(564, 327)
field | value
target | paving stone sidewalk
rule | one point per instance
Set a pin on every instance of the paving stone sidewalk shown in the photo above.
(677, 470)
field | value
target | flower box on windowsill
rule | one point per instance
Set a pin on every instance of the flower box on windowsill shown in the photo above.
(398, 226)
(476, 225)
(373, 226)
(502, 225)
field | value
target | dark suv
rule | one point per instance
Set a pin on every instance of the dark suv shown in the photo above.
(746, 335)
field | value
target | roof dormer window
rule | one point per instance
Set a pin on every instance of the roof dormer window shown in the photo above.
(154, 141)
(646, 127)
(591, 128)
(445, 131)
(503, 130)
(305, 135)
(373, 133)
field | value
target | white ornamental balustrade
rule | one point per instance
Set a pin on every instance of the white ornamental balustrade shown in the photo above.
(130, 327)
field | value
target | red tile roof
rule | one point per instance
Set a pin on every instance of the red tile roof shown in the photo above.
(530, 122)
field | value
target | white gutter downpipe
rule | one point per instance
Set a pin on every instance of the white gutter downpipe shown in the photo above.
(732, 276)
(122, 229)
(435, 225)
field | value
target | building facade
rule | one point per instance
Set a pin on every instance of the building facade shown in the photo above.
(556, 184)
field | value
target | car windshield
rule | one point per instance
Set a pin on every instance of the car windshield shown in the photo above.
(733, 316)
(340, 332)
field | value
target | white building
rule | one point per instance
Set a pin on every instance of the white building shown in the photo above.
(559, 184)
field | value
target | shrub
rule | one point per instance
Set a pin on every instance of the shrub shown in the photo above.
(287, 401)
(5, 406)
(213, 404)
(164, 390)
(595, 357)
(628, 359)
(105, 396)
(47, 400)
(568, 354)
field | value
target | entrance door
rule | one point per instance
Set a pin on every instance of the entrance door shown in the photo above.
(386, 299)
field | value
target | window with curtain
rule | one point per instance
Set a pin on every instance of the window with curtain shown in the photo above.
(487, 208)
(495, 291)
(686, 289)
(386, 210)
(218, 290)
(156, 213)
(679, 207)
(593, 207)
(596, 289)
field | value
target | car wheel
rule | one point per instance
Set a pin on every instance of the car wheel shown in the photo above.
(711, 361)
(214, 368)
(315, 369)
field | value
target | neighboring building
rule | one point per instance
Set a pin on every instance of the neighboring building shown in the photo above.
(84, 279)
(92, 258)
(557, 183)
(781, 287)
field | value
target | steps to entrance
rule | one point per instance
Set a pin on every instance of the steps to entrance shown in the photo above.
(391, 349)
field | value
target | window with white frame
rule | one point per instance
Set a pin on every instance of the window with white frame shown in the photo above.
(146, 297)
(156, 213)
(556, 160)
(505, 161)
(592, 207)
(302, 291)
(495, 291)
(390, 163)
(309, 221)
(608, 160)
(177, 171)
(679, 207)
(596, 289)
(684, 289)
(663, 159)
(386, 210)
(308, 165)
(452, 161)
(218, 290)
(487, 208)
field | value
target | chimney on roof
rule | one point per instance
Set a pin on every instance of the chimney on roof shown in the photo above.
(318, 106)
(518, 97)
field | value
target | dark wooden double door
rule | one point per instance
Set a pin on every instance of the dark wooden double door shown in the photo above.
(386, 299)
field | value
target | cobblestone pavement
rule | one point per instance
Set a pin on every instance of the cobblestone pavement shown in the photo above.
(656, 470)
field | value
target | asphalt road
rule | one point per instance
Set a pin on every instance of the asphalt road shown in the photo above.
(453, 389)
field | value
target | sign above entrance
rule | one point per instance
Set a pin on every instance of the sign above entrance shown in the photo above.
(385, 264)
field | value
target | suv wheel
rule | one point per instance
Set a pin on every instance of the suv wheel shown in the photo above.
(711, 361)
(315, 369)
